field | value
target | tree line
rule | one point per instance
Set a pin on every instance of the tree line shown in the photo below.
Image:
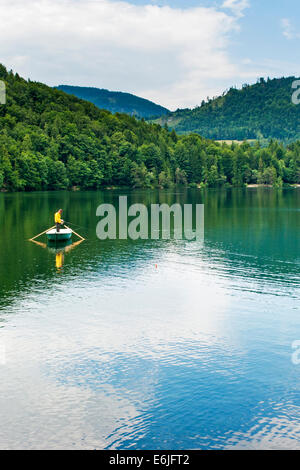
(261, 111)
(116, 101)
(50, 141)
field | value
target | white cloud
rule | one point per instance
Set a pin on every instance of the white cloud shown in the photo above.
(237, 6)
(170, 55)
(288, 29)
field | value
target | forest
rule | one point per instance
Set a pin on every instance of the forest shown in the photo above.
(50, 141)
(116, 101)
(261, 111)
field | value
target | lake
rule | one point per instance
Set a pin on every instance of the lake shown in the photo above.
(151, 344)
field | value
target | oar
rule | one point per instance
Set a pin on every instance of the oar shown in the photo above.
(43, 245)
(70, 247)
(37, 236)
(79, 236)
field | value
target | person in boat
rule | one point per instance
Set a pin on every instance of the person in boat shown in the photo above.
(58, 220)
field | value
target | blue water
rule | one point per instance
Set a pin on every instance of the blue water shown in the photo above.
(112, 352)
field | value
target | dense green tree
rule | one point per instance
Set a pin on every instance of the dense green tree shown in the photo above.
(116, 101)
(180, 177)
(261, 111)
(50, 140)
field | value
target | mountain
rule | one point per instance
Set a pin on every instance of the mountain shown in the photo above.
(50, 140)
(260, 111)
(116, 102)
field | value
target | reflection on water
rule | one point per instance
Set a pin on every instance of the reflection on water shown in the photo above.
(152, 344)
(58, 248)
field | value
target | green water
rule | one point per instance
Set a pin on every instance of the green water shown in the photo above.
(151, 343)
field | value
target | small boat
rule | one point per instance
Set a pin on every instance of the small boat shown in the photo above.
(55, 246)
(63, 234)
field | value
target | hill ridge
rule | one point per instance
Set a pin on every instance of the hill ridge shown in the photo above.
(263, 110)
(116, 101)
(50, 140)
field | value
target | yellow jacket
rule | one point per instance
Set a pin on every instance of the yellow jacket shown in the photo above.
(57, 218)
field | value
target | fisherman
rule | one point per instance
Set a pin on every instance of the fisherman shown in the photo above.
(58, 220)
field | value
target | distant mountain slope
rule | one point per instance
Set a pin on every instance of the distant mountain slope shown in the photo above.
(264, 110)
(116, 102)
(50, 140)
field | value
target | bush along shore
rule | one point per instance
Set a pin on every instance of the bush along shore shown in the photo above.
(50, 141)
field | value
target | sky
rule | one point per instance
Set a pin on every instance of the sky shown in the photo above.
(173, 52)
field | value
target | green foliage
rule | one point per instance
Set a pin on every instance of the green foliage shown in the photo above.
(50, 141)
(261, 111)
(180, 177)
(165, 179)
(141, 177)
(115, 101)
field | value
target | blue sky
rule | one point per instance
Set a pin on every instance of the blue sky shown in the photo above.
(173, 52)
(261, 36)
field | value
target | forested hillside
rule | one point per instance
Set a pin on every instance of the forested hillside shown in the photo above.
(51, 140)
(116, 102)
(264, 110)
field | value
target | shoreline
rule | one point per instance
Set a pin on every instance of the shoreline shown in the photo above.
(123, 188)
(291, 186)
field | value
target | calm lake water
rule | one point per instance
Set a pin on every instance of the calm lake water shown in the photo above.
(111, 352)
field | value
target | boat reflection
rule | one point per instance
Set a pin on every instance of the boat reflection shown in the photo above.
(59, 248)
